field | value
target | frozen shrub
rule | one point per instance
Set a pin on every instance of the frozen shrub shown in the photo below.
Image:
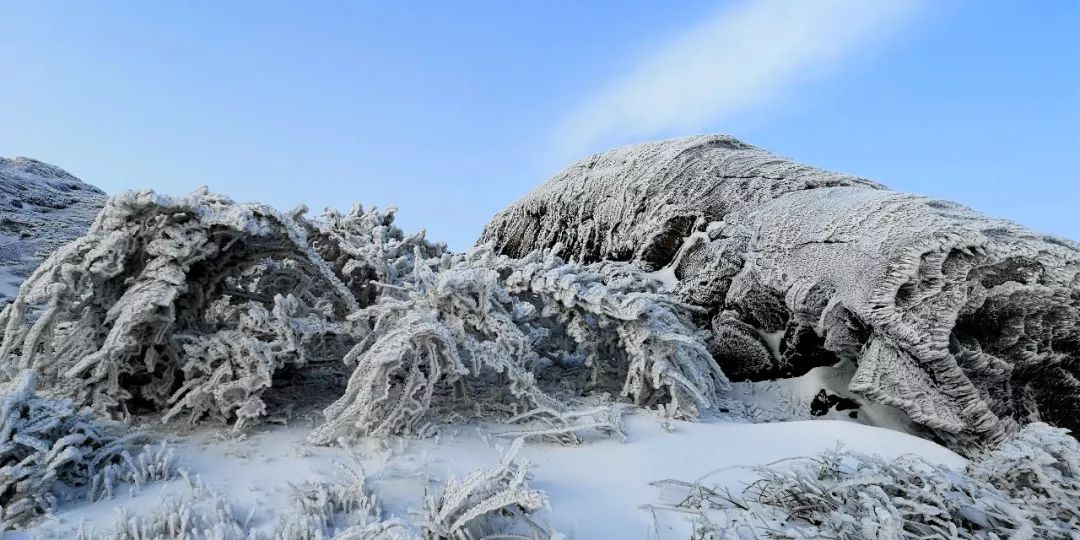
(203, 518)
(1040, 469)
(524, 337)
(200, 514)
(193, 305)
(364, 247)
(484, 504)
(152, 463)
(199, 306)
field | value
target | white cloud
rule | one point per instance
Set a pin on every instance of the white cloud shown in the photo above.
(739, 58)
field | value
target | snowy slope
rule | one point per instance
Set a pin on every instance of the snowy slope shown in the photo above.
(597, 489)
(42, 207)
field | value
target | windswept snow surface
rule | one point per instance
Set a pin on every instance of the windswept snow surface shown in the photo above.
(598, 489)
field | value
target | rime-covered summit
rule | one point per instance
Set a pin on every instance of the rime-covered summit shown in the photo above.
(638, 202)
(968, 323)
(42, 207)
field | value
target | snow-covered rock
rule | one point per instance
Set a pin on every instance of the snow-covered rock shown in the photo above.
(969, 324)
(42, 207)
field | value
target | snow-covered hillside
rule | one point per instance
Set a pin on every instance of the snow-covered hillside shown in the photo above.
(192, 367)
(41, 208)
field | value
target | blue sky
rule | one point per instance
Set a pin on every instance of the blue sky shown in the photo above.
(451, 110)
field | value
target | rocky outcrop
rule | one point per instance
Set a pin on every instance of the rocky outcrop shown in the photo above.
(42, 208)
(968, 323)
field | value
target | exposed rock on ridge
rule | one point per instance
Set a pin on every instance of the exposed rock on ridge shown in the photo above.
(966, 322)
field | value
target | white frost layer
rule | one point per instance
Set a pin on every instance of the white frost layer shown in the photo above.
(597, 489)
(666, 275)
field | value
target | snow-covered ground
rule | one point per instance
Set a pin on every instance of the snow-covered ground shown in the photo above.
(598, 489)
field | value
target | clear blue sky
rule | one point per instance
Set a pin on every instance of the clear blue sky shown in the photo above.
(451, 110)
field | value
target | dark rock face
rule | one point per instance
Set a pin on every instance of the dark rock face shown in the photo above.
(41, 208)
(968, 323)
(824, 401)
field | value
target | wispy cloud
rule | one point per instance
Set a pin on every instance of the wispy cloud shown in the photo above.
(741, 57)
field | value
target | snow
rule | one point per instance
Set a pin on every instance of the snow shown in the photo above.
(785, 399)
(9, 283)
(666, 275)
(597, 489)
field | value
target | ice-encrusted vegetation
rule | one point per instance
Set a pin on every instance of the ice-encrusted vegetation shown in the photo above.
(1028, 487)
(492, 332)
(200, 306)
(52, 451)
(487, 503)
(494, 502)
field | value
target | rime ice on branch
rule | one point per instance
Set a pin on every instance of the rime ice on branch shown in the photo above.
(200, 306)
(966, 322)
(479, 329)
(192, 305)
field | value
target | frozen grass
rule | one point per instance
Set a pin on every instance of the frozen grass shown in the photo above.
(1028, 487)
(493, 502)
(51, 451)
